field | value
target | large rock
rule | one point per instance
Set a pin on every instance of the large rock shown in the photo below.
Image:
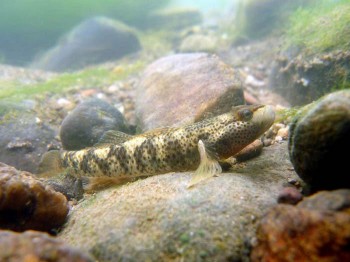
(32, 246)
(27, 203)
(183, 88)
(85, 125)
(302, 80)
(318, 142)
(94, 41)
(23, 136)
(315, 230)
(159, 219)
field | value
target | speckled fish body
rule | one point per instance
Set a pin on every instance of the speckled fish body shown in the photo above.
(171, 149)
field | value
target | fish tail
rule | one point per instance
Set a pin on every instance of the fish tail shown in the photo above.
(50, 164)
(207, 168)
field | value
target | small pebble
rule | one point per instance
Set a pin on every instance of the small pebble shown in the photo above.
(289, 195)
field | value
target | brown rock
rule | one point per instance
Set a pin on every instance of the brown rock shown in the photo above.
(337, 200)
(289, 233)
(26, 203)
(32, 246)
(183, 88)
(289, 195)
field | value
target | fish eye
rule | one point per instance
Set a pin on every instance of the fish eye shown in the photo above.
(245, 114)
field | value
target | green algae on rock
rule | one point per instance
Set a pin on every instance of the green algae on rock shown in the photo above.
(319, 136)
(27, 203)
(302, 80)
(159, 219)
(184, 88)
(32, 246)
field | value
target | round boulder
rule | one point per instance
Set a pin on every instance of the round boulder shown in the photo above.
(184, 88)
(85, 125)
(94, 41)
(318, 142)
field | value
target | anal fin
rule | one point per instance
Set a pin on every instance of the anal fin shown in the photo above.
(207, 168)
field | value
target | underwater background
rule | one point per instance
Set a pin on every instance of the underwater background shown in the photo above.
(110, 109)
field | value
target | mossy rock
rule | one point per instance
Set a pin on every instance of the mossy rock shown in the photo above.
(303, 80)
(258, 18)
(318, 142)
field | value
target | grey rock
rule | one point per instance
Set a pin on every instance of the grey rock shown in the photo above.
(94, 41)
(318, 142)
(86, 124)
(158, 218)
(303, 80)
(22, 137)
(184, 88)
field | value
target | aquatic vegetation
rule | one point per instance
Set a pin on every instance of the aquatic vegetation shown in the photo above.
(321, 27)
(88, 78)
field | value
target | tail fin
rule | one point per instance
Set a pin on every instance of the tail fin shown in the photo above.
(208, 166)
(50, 164)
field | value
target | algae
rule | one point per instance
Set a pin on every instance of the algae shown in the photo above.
(88, 78)
(319, 28)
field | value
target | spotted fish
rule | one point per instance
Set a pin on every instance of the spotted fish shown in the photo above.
(200, 146)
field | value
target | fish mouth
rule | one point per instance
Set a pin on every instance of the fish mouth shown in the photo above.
(264, 116)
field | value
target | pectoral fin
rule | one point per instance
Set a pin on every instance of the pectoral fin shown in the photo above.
(208, 166)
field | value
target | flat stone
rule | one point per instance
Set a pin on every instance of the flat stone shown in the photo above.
(184, 88)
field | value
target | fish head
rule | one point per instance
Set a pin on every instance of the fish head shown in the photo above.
(246, 123)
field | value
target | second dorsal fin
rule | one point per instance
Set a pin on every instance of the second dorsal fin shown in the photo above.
(113, 137)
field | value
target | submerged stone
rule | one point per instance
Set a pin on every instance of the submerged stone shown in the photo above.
(302, 80)
(94, 41)
(86, 124)
(27, 203)
(160, 219)
(184, 88)
(23, 137)
(306, 232)
(318, 142)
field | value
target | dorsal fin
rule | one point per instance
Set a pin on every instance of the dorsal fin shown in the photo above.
(113, 137)
(156, 131)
